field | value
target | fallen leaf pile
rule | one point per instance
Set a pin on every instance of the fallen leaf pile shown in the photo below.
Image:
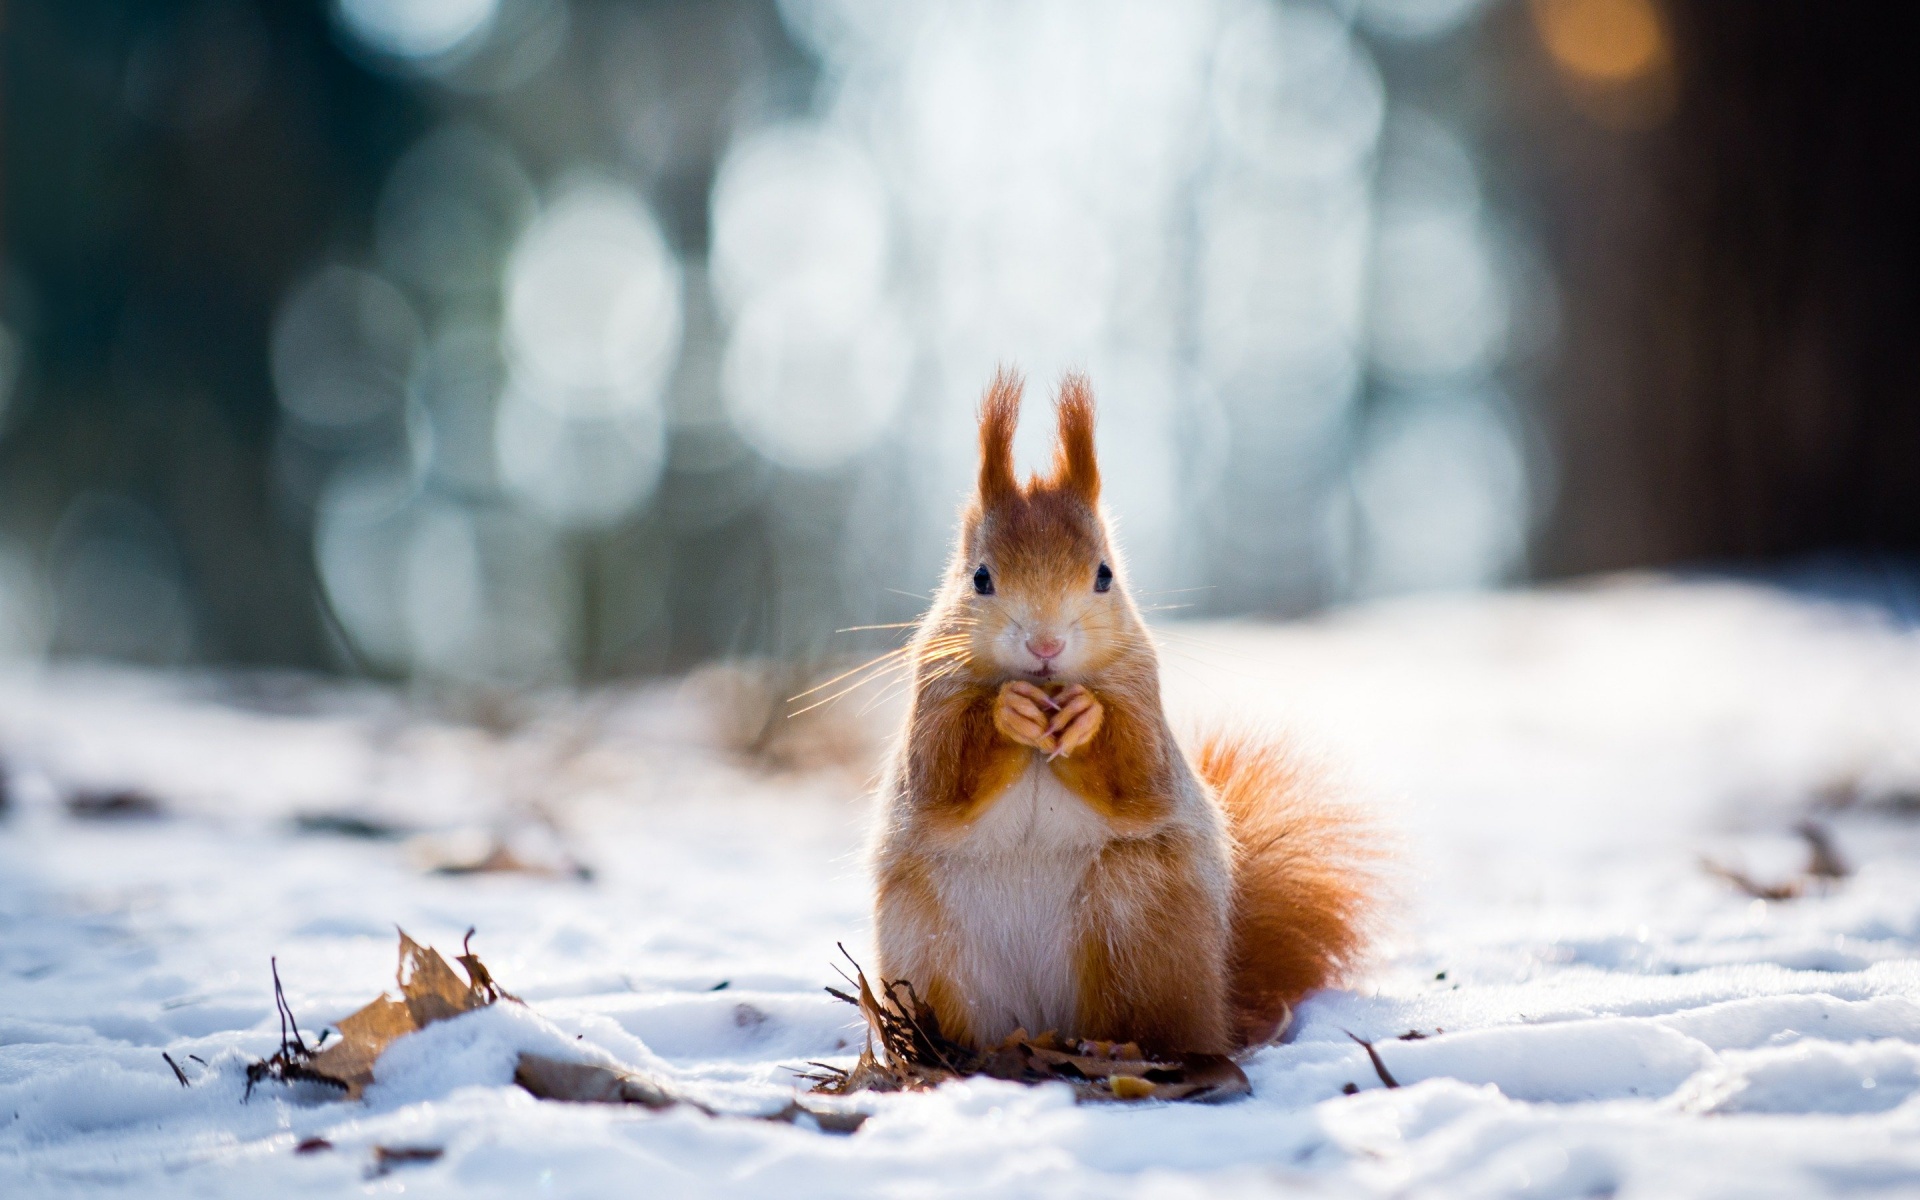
(906, 1051)
(429, 992)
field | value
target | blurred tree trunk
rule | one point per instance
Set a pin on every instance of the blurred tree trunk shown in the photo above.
(1740, 283)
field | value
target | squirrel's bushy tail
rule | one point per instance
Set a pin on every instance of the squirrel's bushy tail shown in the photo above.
(1306, 879)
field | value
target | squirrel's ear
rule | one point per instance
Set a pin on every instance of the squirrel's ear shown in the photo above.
(999, 414)
(1073, 463)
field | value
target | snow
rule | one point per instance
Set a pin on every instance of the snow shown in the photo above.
(1599, 1015)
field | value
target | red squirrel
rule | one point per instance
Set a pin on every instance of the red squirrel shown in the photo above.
(1049, 857)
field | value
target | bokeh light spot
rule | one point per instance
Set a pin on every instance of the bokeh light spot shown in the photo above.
(344, 344)
(450, 210)
(577, 469)
(809, 391)
(1441, 492)
(117, 584)
(593, 303)
(415, 28)
(1439, 304)
(358, 538)
(23, 604)
(1417, 20)
(799, 210)
(1294, 93)
(1604, 41)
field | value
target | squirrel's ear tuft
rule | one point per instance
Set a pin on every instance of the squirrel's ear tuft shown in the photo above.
(1074, 464)
(999, 415)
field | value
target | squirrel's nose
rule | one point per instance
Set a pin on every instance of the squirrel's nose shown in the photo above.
(1045, 647)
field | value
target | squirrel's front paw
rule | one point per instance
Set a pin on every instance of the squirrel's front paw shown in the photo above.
(1021, 712)
(1077, 721)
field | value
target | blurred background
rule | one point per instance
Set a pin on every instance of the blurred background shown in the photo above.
(536, 341)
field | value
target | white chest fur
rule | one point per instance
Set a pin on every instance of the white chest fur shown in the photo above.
(1011, 886)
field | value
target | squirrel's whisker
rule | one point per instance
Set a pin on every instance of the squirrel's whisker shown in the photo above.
(875, 661)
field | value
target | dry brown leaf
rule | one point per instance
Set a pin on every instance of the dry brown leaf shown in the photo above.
(1099, 1074)
(386, 1158)
(429, 992)
(826, 1120)
(906, 1051)
(588, 1083)
(429, 986)
(477, 972)
(591, 1083)
(362, 1037)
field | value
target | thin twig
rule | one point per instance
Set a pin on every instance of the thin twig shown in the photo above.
(1823, 860)
(1379, 1068)
(1788, 890)
(286, 1014)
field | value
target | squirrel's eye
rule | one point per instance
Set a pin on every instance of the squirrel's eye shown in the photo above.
(1103, 578)
(983, 581)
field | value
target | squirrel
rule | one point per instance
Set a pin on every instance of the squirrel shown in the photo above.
(1049, 857)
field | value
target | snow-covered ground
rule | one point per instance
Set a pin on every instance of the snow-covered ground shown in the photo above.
(1601, 1016)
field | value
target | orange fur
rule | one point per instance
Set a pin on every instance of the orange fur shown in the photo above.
(1127, 772)
(1074, 871)
(1148, 971)
(1074, 465)
(999, 415)
(1304, 881)
(961, 763)
(907, 895)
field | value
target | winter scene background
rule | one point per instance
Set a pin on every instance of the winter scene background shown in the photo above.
(439, 439)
